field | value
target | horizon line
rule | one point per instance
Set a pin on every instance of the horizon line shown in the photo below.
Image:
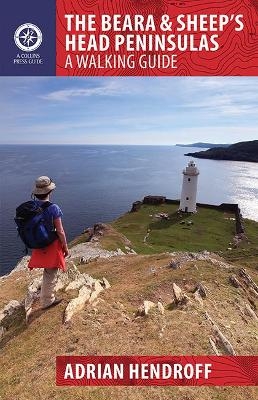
(102, 144)
(85, 144)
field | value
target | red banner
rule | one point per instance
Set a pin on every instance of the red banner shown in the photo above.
(157, 371)
(157, 37)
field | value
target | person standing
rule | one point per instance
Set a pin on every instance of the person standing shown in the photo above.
(52, 257)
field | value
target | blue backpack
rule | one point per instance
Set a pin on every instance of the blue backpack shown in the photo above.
(33, 225)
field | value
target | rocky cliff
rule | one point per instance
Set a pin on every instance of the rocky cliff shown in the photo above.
(242, 151)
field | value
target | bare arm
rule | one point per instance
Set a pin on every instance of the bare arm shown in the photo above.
(61, 234)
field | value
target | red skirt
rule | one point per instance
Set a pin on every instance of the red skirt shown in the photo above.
(51, 256)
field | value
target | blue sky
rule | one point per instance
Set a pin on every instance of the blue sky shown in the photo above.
(135, 110)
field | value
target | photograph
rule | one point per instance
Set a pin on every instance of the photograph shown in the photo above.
(129, 226)
(129, 200)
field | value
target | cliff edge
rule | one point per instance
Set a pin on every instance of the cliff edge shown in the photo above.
(242, 151)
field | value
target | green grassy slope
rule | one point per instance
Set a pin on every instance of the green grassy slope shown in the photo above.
(212, 230)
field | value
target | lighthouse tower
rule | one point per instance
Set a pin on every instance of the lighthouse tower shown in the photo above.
(189, 188)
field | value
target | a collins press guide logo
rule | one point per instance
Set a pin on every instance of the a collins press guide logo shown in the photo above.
(28, 37)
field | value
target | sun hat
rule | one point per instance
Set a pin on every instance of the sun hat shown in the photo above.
(43, 185)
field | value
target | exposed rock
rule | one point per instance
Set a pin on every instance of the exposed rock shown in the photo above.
(90, 259)
(178, 293)
(2, 332)
(253, 292)
(61, 282)
(183, 257)
(234, 281)
(214, 348)
(90, 251)
(105, 283)
(252, 303)
(99, 229)
(87, 289)
(87, 293)
(145, 308)
(89, 231)
(10, 309)
(164, 216)
(148, 305)
(247, 279)
(82, 280)
(63, 279)
(77, 304)
(224, 342)
(245, 282)
(119, 252)
(249, 311)
(11, 317)
(97, 288)
(136, 206)
(198, 297)
(179, 296)
(161, 308)
(174, 264)
(242, 313)
(201, 289)
(129, 250)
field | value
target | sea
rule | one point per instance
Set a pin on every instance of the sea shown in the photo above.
(97, 183)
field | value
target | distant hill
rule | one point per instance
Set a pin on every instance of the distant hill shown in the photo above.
(242, 151)
(204, 145)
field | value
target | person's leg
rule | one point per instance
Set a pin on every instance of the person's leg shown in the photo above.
(47, 296)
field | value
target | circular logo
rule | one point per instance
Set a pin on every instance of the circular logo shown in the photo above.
(28, 37)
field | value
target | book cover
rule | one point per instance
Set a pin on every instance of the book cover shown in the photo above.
(138, 120)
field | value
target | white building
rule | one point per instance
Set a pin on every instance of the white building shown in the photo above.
(189, 188)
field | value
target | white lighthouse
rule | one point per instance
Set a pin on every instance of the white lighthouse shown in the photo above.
(189, 188)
